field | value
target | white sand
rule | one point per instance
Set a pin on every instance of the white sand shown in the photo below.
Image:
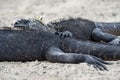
(96, 10)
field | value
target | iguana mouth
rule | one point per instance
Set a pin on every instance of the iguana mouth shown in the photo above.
(11, 28)
(21, 27)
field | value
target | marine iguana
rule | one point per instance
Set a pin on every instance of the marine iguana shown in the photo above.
(85, 47)
(83, 29)
(30, 45)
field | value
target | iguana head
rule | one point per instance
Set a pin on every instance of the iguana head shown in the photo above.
(33, 24)
(22, 24)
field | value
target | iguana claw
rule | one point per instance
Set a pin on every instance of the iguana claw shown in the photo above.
(96, 62)
(64, 34)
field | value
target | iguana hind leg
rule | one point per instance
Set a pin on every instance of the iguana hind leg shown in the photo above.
(55, 54)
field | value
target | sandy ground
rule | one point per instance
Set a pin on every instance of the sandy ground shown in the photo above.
(96, 10)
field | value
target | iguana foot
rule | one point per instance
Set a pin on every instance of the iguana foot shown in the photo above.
(97, 63)
(64, 34)
(115, 41)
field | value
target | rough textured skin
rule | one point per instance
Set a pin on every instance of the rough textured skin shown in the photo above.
(81, 28)
(20, 45)
(32, 24)
(29, 45)
(112, 28)
(104, 51)
(84, 29)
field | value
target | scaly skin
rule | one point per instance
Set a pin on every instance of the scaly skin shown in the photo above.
(83, 29)
(104, 51)
(30, 45)
(112, 28)
(80, 28)
(20, 45)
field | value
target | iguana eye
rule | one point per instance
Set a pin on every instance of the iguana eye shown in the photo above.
(26, 21)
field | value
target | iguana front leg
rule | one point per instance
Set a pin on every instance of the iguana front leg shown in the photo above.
(99, 35)
(55, 54)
